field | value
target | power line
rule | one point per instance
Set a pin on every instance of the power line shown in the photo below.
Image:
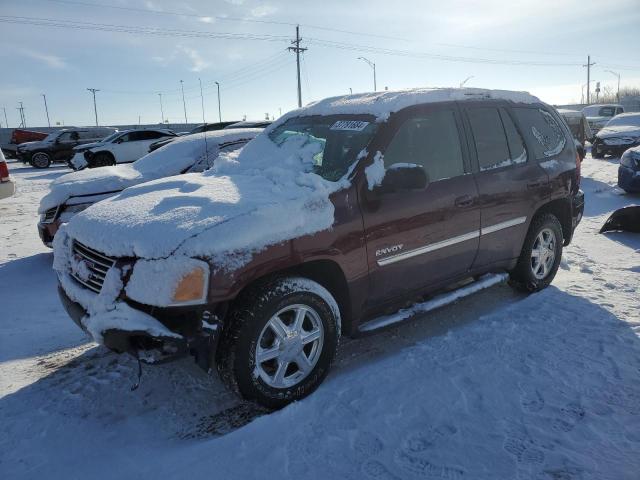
(223, 18)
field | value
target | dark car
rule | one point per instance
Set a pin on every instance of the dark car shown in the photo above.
(59, 146)
(629, 170)
(620, 133)
(205, 127)
(338, 213)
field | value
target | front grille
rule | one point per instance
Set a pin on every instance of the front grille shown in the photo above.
(97, 264)
(50, 215)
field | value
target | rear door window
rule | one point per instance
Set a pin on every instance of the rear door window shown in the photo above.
(542, 130)
(490, 138)
(517, 150)
(430, 140)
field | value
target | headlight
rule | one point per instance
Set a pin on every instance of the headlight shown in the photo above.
(168, 282)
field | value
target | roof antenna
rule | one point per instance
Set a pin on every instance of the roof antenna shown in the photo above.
(206, 148)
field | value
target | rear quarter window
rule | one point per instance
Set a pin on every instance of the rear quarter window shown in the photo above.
(542, 130)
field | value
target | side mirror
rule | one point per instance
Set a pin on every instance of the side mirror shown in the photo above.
(404, 176)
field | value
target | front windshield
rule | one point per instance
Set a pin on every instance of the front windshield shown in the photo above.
(631, 120)
(340, 139)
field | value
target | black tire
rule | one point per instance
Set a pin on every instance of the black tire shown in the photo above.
(522, 277)
(247, 324)
(40, 160)
(101, 159)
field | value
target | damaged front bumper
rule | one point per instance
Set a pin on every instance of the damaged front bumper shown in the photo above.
(197, 336)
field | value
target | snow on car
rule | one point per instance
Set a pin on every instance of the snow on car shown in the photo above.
(75, 191)
(619, 134)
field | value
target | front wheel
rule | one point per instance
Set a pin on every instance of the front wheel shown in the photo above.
(41, 160)
(281, 339)
(101, 160)
(541, 254)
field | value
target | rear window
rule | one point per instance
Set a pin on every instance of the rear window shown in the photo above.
(542, 130)
(630, 120)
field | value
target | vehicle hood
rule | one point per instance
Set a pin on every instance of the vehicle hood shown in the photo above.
(33, 145)
(619, 131)
(89, 182)
(224, 214)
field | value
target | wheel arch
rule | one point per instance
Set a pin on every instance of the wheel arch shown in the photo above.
(561, 209)
(325, 272)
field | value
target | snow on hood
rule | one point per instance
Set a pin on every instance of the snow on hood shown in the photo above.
(172, 159)
(619, 130)
(263, 195)
(382, 104)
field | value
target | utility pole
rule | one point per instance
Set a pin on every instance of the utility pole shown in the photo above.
(46, 109)
(23, 120)
(6, 122)
(95, 108)
(184, 105)
(161, 109)
(219, 108)
(298, 51)
(372, 65)
(589, 65)
(617, 75)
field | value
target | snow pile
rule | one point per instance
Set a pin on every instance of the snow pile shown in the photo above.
(382, 104)
(172, 159)
(375, 172)
(264, 195)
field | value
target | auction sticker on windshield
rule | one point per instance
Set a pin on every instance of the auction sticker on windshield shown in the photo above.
(352, 125)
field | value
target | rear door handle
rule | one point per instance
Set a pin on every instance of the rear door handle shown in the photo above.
(464, 201)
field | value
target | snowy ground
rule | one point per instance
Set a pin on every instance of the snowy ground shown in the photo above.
(497, 386)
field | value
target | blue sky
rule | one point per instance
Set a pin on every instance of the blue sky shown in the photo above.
(257, 76)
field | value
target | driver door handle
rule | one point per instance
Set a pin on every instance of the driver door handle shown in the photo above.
(464, 201)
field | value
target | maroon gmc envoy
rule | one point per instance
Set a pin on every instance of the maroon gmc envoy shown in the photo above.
(433, 187)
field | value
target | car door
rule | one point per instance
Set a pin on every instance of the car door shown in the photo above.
(510, 183)
(125, 148)
(64, 145)
(421, 237)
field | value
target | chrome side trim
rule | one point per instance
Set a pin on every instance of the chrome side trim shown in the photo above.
(501, 226)
(428, 248)
(450, 241)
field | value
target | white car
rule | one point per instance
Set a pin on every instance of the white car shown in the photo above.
(74, 192)
(121, 147)
(599, 115)
(7, 187)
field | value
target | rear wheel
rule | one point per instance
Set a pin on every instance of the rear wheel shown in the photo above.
(280, 341)
(41, 160)
(540, 256)
(102, 160)
(596, 152)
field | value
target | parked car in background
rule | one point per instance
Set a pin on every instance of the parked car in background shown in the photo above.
(250, 124)
(124, 147)
(340, 211)
(620, 133)
(599, 115)
(629, 170)
(7, 187)
(75, 191)
(58, 146)
(205, 127)
(20, 136)
(577, 123)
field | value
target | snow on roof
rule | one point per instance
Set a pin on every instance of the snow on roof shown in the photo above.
(171, 159)
(382, 104)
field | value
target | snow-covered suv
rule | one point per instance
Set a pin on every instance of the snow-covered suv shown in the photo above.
(337, 213)
(121, 147)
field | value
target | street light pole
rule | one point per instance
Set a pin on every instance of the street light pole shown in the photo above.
(617, 75)
(184, 105)
(95, 108)
(372, 65)
(46, 109)
(465, 81)
(161, 109)
(219, 107)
